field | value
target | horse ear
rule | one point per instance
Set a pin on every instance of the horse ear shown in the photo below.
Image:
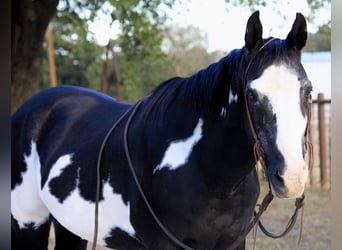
(298, 34)
(253, 34)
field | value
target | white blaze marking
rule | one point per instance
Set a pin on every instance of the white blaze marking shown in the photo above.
(26, 204)
(77, 214)
(281, 86)
(282, 89)
(179, 151)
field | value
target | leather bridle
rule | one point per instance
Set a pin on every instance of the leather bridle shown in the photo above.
(257, 147)
(258, 155)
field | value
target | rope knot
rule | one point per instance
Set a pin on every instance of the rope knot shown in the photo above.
(300, 202)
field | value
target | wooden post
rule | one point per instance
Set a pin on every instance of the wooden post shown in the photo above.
(51, 54)
(104, 85)
(322, 141)
(116, 71)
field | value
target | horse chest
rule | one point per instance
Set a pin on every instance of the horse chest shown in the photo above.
(226, 217)
(200, 220)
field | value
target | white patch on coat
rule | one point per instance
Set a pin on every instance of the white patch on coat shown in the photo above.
(179, 151)
(232, 97)
(223, 112)
(77, 214)
(282, 88)
(26, 204)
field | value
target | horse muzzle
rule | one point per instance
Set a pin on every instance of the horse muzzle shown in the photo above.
(288, 180)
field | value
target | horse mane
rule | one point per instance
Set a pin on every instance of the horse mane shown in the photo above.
(205, 92)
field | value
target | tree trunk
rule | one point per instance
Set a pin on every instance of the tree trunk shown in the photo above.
(29, 22)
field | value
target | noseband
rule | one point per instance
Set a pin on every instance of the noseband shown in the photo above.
(258, 155)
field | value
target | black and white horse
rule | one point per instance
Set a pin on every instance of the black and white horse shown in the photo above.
(190, 144)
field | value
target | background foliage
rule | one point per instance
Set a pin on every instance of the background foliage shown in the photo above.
(148, 51)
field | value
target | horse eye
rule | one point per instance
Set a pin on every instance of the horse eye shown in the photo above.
(252, 96)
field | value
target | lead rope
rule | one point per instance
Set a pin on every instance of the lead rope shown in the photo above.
(299, 204)
(299, 201)
(98, 174)
(160, 224)
(142, 193)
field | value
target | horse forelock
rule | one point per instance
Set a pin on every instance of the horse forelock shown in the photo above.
(275, 53)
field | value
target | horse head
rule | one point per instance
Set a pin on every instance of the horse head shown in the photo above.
(277, 96)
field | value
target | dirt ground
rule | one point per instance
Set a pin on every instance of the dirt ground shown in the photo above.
(316, 230)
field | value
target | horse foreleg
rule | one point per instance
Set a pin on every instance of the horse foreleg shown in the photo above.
(30, 237)
(66, 240)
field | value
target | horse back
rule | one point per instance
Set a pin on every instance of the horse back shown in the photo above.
(61, 121)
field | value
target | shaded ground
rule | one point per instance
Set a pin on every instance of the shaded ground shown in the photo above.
(316, 234)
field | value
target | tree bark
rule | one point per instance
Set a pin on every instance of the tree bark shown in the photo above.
(30, 19)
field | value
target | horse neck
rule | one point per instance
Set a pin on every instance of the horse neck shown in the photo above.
(175, 109)
(227, 154)
(211, 88)
(225, 139)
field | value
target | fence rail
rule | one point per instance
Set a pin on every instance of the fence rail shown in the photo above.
(320, 136)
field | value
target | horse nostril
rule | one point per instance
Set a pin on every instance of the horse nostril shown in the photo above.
(278, 176)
